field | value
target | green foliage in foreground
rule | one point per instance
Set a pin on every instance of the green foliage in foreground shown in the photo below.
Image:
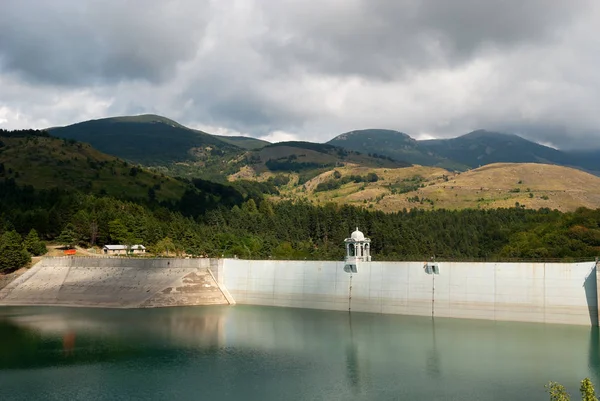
(559, 393)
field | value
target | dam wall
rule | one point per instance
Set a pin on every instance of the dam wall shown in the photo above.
(563, 293)
(115, 283)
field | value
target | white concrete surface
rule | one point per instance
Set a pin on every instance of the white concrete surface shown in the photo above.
(115, 282)
(530, 292)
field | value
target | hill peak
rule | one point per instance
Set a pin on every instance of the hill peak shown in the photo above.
(141, 118)
(482, 133)
(379, 132)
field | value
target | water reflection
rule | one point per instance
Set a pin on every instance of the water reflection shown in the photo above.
(69, 342)
(594, 352)
(32, 336)
(591, 293)
(352, 362)
(256, 353)
(433, 356)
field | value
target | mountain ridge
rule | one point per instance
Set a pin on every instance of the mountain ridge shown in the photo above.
(471, 150)
(154, 140)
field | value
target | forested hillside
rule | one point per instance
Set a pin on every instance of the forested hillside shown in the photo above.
(259, 229)
(34, 158)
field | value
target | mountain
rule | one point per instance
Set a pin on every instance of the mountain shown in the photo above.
(153, 140)
(482, 147)
(37, 159)
(174, 149)
(587, 159)
(472, 150)
(394, 144)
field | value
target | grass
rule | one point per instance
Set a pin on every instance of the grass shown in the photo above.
(491, 186)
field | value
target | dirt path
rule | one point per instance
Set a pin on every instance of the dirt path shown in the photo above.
(57, 250)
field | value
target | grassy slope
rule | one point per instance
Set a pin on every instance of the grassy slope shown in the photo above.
(490, 186)
(243, 142)
(49, 162)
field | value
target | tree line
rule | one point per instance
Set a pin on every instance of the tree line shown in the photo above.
(247, 225)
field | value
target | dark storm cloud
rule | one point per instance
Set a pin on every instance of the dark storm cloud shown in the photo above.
(85, 42)
(430, 68)
(380, 38)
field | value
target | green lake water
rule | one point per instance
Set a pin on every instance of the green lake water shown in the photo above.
(260, 353)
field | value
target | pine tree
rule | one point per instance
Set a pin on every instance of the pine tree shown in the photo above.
(12, 254)
(67, 237)
(33, 245)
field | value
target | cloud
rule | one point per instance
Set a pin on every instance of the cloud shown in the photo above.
(382, 39)
(305, 70)
(279, 136)
(94, 41)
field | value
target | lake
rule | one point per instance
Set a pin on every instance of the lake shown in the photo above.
(261, 353)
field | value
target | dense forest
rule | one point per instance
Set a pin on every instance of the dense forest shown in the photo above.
(247, 225)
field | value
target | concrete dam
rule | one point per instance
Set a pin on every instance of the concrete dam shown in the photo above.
(116, 283)
(565, 293)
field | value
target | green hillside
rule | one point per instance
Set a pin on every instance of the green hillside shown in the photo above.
(147, 139)
(472, 150)
(244, 142)
(482, 147)
(394, 144)
(44, 162)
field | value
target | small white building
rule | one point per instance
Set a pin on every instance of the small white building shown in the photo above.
(358, 249)
(122, 249)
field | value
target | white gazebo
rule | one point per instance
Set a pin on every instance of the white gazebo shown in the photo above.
(358, 249)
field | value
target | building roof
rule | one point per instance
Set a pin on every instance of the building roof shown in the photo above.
(123, 247)
(357, 236)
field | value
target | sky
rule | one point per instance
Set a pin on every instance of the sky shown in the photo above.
(308, 70)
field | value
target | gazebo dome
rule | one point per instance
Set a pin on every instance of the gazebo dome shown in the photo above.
(357, 235)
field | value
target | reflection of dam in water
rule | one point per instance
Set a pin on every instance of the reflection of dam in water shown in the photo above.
(305, 354)
(182, 326)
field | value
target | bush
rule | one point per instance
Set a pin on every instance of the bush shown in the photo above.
(12, 254)
(33, 245)
(559, 393)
